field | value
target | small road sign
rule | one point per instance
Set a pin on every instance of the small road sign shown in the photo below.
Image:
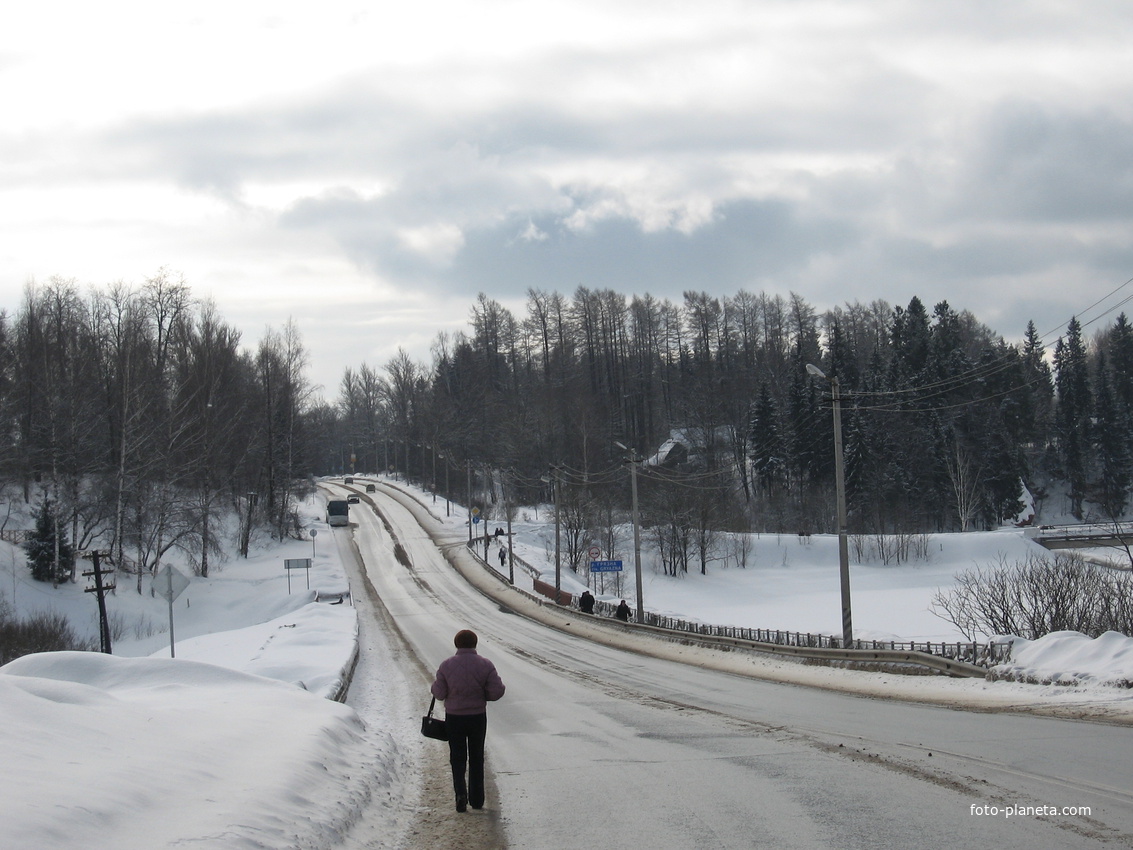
(605, 566)
(169, 583)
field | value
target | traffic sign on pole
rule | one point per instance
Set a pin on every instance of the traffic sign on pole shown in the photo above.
(169, 583)
(605, 566)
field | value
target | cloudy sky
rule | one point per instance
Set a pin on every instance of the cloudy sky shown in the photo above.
(368, 168)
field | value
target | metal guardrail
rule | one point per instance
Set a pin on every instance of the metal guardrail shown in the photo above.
(960, 658)
(974, 654)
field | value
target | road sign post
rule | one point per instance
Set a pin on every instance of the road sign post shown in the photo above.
(290, 564)
(170, 583)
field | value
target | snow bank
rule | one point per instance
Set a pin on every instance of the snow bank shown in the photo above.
(102, 751)
(1070, 658)
(313, 647)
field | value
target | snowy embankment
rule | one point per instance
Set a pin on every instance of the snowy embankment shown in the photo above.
(233, 743)
(1071, 659)
(313, 647)
(113, 752)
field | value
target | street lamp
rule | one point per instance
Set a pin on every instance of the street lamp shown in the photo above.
(554, 482)
(633, 460)
(840, 488)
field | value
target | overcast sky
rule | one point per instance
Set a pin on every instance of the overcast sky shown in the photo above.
(368, 168)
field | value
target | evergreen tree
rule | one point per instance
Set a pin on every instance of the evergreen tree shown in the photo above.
(767, 449)
(1073, 413)
(49, 554)
(911, 341)
(1003, 476)
(1038, 385)
(1121, 363)
(1111, 445)
(807, 437)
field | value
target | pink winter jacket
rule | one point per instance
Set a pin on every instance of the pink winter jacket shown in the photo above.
(466, 682)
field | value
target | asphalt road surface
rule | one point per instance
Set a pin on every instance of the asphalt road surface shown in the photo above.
(600, 746)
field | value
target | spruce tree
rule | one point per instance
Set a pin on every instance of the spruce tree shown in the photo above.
(1111, 490)
(767, 449)
(47, 560)
(1072, 384)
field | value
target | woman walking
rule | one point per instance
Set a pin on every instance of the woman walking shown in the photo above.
(466, 682)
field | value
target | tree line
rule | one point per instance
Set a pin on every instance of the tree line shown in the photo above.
(135, 422)
(944, 422)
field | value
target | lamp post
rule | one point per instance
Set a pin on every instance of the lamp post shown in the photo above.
(840, 489)
(558, 538)
(553, 480)
(468, 489)
(448, 500)
(632, 460)
(508, 510)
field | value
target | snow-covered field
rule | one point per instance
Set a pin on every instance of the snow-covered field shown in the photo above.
(233, 743)
(791, 582)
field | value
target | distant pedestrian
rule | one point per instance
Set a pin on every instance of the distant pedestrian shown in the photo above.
(622, 612)
(586, 602)
(466, 682)
(503, 556)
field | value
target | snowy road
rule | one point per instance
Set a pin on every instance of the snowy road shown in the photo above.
(599, 746)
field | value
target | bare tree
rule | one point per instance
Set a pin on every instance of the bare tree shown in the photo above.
(965, 476)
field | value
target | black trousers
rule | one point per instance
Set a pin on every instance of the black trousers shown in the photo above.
(466, 754)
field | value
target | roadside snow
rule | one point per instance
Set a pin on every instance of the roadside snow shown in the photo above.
(1071, 658)
(313, 647)
(231, 744)
(101, 751)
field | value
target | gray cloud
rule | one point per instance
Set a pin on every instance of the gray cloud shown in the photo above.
(1033, 162)
(840, 166)
(747, 242)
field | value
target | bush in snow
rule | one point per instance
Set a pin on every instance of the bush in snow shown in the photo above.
(41, 632)
(1038, 595)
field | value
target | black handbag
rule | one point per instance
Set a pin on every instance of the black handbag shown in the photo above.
(433, 727)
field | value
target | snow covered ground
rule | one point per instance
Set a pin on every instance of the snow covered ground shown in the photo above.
(233, 744)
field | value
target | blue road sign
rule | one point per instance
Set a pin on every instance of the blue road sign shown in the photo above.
(605, 566)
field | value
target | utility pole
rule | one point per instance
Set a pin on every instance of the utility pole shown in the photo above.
(633, 460)
(101, 589)
(433, 448)
(636, 537)
(448, 501)
(507, 512)
(840, 492)
(558, 536)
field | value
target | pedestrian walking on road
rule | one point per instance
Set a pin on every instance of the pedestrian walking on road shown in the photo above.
(466, 682)
(503, 557)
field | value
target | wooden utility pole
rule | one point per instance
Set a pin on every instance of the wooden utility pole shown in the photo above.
(101, 589)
